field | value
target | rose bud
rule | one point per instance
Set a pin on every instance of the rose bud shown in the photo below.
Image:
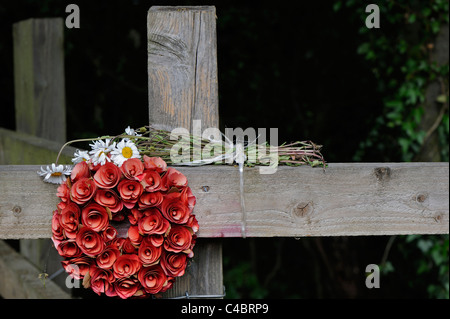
(83, 190)
(152, 279)
(153, 223)
(90, 242)
(132, 168)
(126, 266)
(178, 239)
(107, 176)
(95, 217)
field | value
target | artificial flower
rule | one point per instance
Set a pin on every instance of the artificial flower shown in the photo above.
(55, 174)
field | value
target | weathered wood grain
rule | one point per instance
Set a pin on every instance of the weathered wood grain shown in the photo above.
(182, 66)
(182, 82)
(347, 199)
(20, 279)
(39, 78)
(18, 148)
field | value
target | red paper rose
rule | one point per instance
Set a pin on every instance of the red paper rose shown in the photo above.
(81, 170)
(77, 267)
(127, 287)
(155, 163)
(148, 253)
(107, 176)
(175, 209)
(128, 231)
(152, 279)
(153, 223)
(101, 280)
(109, 198)
(148, 200)
(83, 190)
(108, 257)
(151, 181)
(69, 249)
(95, 217)
(132, 168)
(89, 241)
(178, 239)
(126, 265)
(69, 218)
(129, 191)
(173, 264)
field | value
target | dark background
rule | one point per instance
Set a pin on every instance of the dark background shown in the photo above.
(297, 66)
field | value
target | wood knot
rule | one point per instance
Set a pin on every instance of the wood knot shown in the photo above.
(382, 173)
(17, 210)
(302, 209)
(205, 188)
(421, 198)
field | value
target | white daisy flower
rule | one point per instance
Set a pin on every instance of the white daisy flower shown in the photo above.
(125, 149)
(130, 131)
(100, 151)
(55, 174)
(80, 156)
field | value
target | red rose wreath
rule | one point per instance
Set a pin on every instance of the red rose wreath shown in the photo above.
(126, 227)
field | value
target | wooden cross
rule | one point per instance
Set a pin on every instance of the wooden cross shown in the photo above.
(348, 199)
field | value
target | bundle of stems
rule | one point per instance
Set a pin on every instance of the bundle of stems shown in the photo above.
(196, 150)
(157, 142)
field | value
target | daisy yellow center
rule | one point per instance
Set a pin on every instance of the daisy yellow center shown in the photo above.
(127, 152)
(56, 174)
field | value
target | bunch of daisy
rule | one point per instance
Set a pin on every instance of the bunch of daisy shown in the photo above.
(102, 151)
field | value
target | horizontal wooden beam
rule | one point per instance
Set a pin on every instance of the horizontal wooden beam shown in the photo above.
(344, 200)
(20, 278)
(22, 148)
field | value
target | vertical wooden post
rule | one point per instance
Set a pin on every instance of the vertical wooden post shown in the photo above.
(182, 82)
(40, 106)
(39, 78)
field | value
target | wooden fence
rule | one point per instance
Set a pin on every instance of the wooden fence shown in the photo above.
(347, 199)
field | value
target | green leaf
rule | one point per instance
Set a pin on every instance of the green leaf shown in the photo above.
(424, 245)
